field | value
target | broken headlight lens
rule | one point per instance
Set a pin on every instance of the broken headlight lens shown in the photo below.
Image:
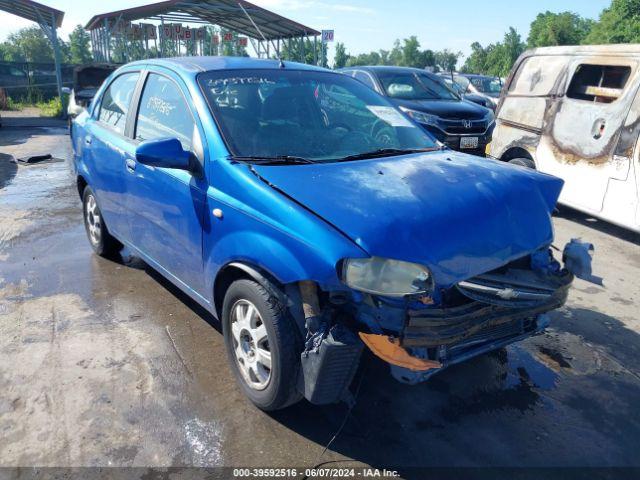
(421, 117)
(385, 277)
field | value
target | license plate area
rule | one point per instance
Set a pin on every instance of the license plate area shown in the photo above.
(468, 142)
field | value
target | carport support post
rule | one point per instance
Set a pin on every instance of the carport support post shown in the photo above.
(161, 36)
(107, 40)
(315, 50)
(56, 59)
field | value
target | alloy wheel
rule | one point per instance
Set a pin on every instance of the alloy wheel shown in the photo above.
(251, 344)
(94, 222)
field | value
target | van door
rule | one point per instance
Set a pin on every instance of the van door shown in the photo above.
(583, 126)
(621, 201)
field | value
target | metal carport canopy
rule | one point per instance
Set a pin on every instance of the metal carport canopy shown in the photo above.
(49, 20)
(224, 13)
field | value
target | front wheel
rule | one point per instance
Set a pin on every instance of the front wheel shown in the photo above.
(523, 162)
(262, 345)
(102, 242)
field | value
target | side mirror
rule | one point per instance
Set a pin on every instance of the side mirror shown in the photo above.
(164, 153)
(66, 90)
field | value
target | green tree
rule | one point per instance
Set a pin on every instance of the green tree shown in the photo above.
(620, 23)
(384, 57)
(446, 59)
(79, 49)
(476, 62)
(372, 58)
(10, 53)
(565, 28)
(341, 56)
(30, 45)
(411, 54)
(427, 58)
(502, 56)
(395, 56)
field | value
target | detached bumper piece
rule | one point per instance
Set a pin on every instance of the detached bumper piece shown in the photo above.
(484, 340)
(328, 369)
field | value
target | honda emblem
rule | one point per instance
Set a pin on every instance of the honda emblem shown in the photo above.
(466, 123)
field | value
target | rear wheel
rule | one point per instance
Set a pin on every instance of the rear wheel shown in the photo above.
(102, 242)
(262, 345)
(523, 162)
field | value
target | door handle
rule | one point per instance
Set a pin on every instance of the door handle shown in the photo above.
(131, 165)
(87, 140)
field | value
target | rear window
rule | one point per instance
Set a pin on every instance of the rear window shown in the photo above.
(598, 83)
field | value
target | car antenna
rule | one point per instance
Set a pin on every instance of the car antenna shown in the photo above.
(262, 34)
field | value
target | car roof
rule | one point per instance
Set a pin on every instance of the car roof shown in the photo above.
(203, 64)
(610, 49)
(474, 75)
(387, 68)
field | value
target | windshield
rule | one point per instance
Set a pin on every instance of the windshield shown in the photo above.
(487, 85)
(318, 116)
(409, 85)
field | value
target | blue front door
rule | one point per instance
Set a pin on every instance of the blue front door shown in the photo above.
(166, 206)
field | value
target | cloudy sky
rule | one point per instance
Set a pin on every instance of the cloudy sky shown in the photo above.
(374, 24)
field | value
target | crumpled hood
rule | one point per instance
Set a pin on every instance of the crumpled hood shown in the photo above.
(457, 214)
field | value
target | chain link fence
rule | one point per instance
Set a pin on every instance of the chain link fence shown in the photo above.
(28, 82)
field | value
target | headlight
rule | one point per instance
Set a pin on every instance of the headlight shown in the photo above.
(382, 276)
(421, 117)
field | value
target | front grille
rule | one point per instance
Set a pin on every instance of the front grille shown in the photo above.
(458, 126)
(434, 327)
(492, 333)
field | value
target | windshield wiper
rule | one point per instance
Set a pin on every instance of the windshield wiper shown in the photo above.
(385, 152)
(278, 159)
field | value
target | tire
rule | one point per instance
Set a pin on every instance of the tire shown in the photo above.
(255, 323)
(102, 242)
(523, 162)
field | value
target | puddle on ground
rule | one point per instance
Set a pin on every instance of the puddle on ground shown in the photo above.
(523, 366)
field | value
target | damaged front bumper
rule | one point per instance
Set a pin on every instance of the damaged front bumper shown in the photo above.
(421, 336)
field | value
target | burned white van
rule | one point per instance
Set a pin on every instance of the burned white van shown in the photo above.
(574, 112)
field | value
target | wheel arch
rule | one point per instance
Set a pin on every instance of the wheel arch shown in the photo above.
(81, 184)
(237, 270)
(516, 152)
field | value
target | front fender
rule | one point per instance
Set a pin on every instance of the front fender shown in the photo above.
(260, 226)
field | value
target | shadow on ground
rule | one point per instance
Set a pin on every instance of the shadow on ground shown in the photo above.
(597, 224)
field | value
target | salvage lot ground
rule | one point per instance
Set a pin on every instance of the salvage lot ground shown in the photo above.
(103, 363)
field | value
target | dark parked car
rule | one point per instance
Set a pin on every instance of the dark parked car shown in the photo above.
(313, 218)
(478, 98)
(478, 86)
(426, 98)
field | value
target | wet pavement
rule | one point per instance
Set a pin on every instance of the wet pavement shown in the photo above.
(104, 363)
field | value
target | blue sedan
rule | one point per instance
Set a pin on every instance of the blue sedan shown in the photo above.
(316, 220)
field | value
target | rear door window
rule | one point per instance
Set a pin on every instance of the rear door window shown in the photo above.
(164, 112)
(598, 83)
(116, 101)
